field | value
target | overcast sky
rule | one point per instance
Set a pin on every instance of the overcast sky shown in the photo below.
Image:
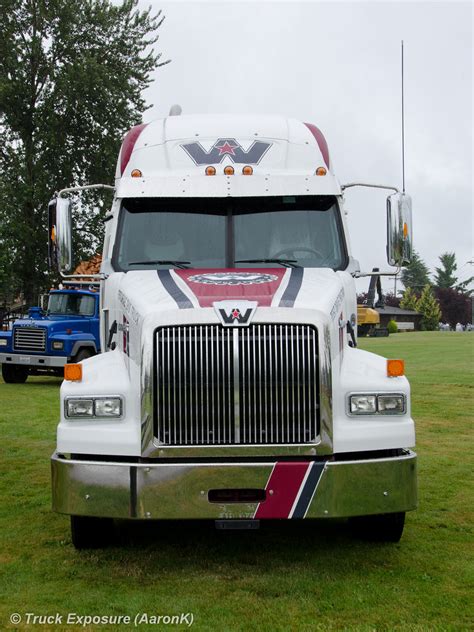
(337, 64)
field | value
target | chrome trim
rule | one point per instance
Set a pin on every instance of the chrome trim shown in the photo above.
(180, 491)
(32, 360)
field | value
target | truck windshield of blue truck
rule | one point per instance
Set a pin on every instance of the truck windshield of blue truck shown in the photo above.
(63, 304)
(292, 231)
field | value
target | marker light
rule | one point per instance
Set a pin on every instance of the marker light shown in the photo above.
(73, 372)
(229, 170)
(405, 230)
(136, 173)
(210, 171)
(247, 170)
(321, 171)
(395, 368)
(53, 234)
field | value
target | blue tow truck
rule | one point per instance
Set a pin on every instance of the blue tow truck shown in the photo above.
(43, 342)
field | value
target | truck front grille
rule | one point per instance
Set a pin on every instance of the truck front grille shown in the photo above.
(230, 386)
(29, 339)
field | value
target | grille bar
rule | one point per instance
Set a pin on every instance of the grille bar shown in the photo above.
(29, 339)
(232, 386)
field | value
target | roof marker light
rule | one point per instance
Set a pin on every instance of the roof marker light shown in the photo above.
(247, 170)
(229, 170)
(321, 171)
(210, 171)
(136, 173)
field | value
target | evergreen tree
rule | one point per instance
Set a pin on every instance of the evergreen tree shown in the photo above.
(428, 306)
(72, 76)
(445, 274)
(409, 300)
(416, 274)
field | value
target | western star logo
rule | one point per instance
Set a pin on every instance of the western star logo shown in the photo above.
(233, 278)
(227, 147)
(235, 313)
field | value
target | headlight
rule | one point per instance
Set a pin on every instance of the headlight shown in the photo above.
(371, 404)
(3, 342)
(58, 344)
(363, 404)
(79, 407)
(93, 407)
(108, 407)
(391, 404)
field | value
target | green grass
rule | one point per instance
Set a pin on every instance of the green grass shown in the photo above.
(309, 576)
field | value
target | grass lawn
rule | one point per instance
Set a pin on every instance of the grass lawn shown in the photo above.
(307, 576)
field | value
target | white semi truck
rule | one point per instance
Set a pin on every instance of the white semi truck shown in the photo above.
(230, 386)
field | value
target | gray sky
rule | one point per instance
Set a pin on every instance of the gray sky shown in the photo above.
(337, 64)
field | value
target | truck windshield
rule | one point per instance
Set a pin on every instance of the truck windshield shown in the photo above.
(71, 304)
(290, 231)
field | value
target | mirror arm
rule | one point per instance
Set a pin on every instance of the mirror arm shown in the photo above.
(371, 186)
(85, 188)
(358, 275)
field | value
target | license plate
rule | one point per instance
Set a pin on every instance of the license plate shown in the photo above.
(25, 359)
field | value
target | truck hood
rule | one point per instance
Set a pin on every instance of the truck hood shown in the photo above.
(55, 325)
(144, 292)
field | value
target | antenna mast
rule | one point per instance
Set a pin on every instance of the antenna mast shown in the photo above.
(403, 128)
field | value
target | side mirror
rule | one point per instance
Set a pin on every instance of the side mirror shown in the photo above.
(399, 229)
(60, 234)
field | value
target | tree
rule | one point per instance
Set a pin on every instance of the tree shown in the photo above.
(456, 307)
(409, 300)
(71, 81)
(445, 275)
(416, 274)
(428, 306)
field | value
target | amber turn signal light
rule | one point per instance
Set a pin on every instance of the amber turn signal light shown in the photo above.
(73, 372)
(395, 368)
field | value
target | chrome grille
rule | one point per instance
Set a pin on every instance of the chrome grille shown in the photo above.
(29, 339)
(254, 385)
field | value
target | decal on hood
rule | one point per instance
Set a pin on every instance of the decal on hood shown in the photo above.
(274, 287)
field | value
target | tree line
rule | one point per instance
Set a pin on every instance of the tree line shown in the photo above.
(72, 76)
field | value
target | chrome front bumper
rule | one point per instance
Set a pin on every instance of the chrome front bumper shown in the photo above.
(32, 360)
(180, 491)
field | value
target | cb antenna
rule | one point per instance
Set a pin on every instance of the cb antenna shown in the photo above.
(403, 126)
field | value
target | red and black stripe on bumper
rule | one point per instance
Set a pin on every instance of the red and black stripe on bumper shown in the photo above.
(290, 489)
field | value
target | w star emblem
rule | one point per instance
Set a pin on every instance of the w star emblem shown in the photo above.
(227, 147)
(235, 315)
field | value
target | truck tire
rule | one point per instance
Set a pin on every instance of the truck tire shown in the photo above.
(14, 373)
(91, 533)
(82, 354)
(379, 528)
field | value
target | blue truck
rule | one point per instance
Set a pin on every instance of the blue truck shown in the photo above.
(43, 342)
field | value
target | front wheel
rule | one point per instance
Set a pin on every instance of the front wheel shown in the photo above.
(91, 533)
(380, 528)
(14, 373)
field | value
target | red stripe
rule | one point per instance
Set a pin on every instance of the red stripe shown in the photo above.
(282, 488)
(322, 144)
(128, 145)
(208, 293)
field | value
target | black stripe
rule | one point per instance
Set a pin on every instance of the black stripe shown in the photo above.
(173, 290)
(293, 287)
(133, 491)
(308, 490)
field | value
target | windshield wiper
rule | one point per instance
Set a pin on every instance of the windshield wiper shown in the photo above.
(286, 263)
(161, 262)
